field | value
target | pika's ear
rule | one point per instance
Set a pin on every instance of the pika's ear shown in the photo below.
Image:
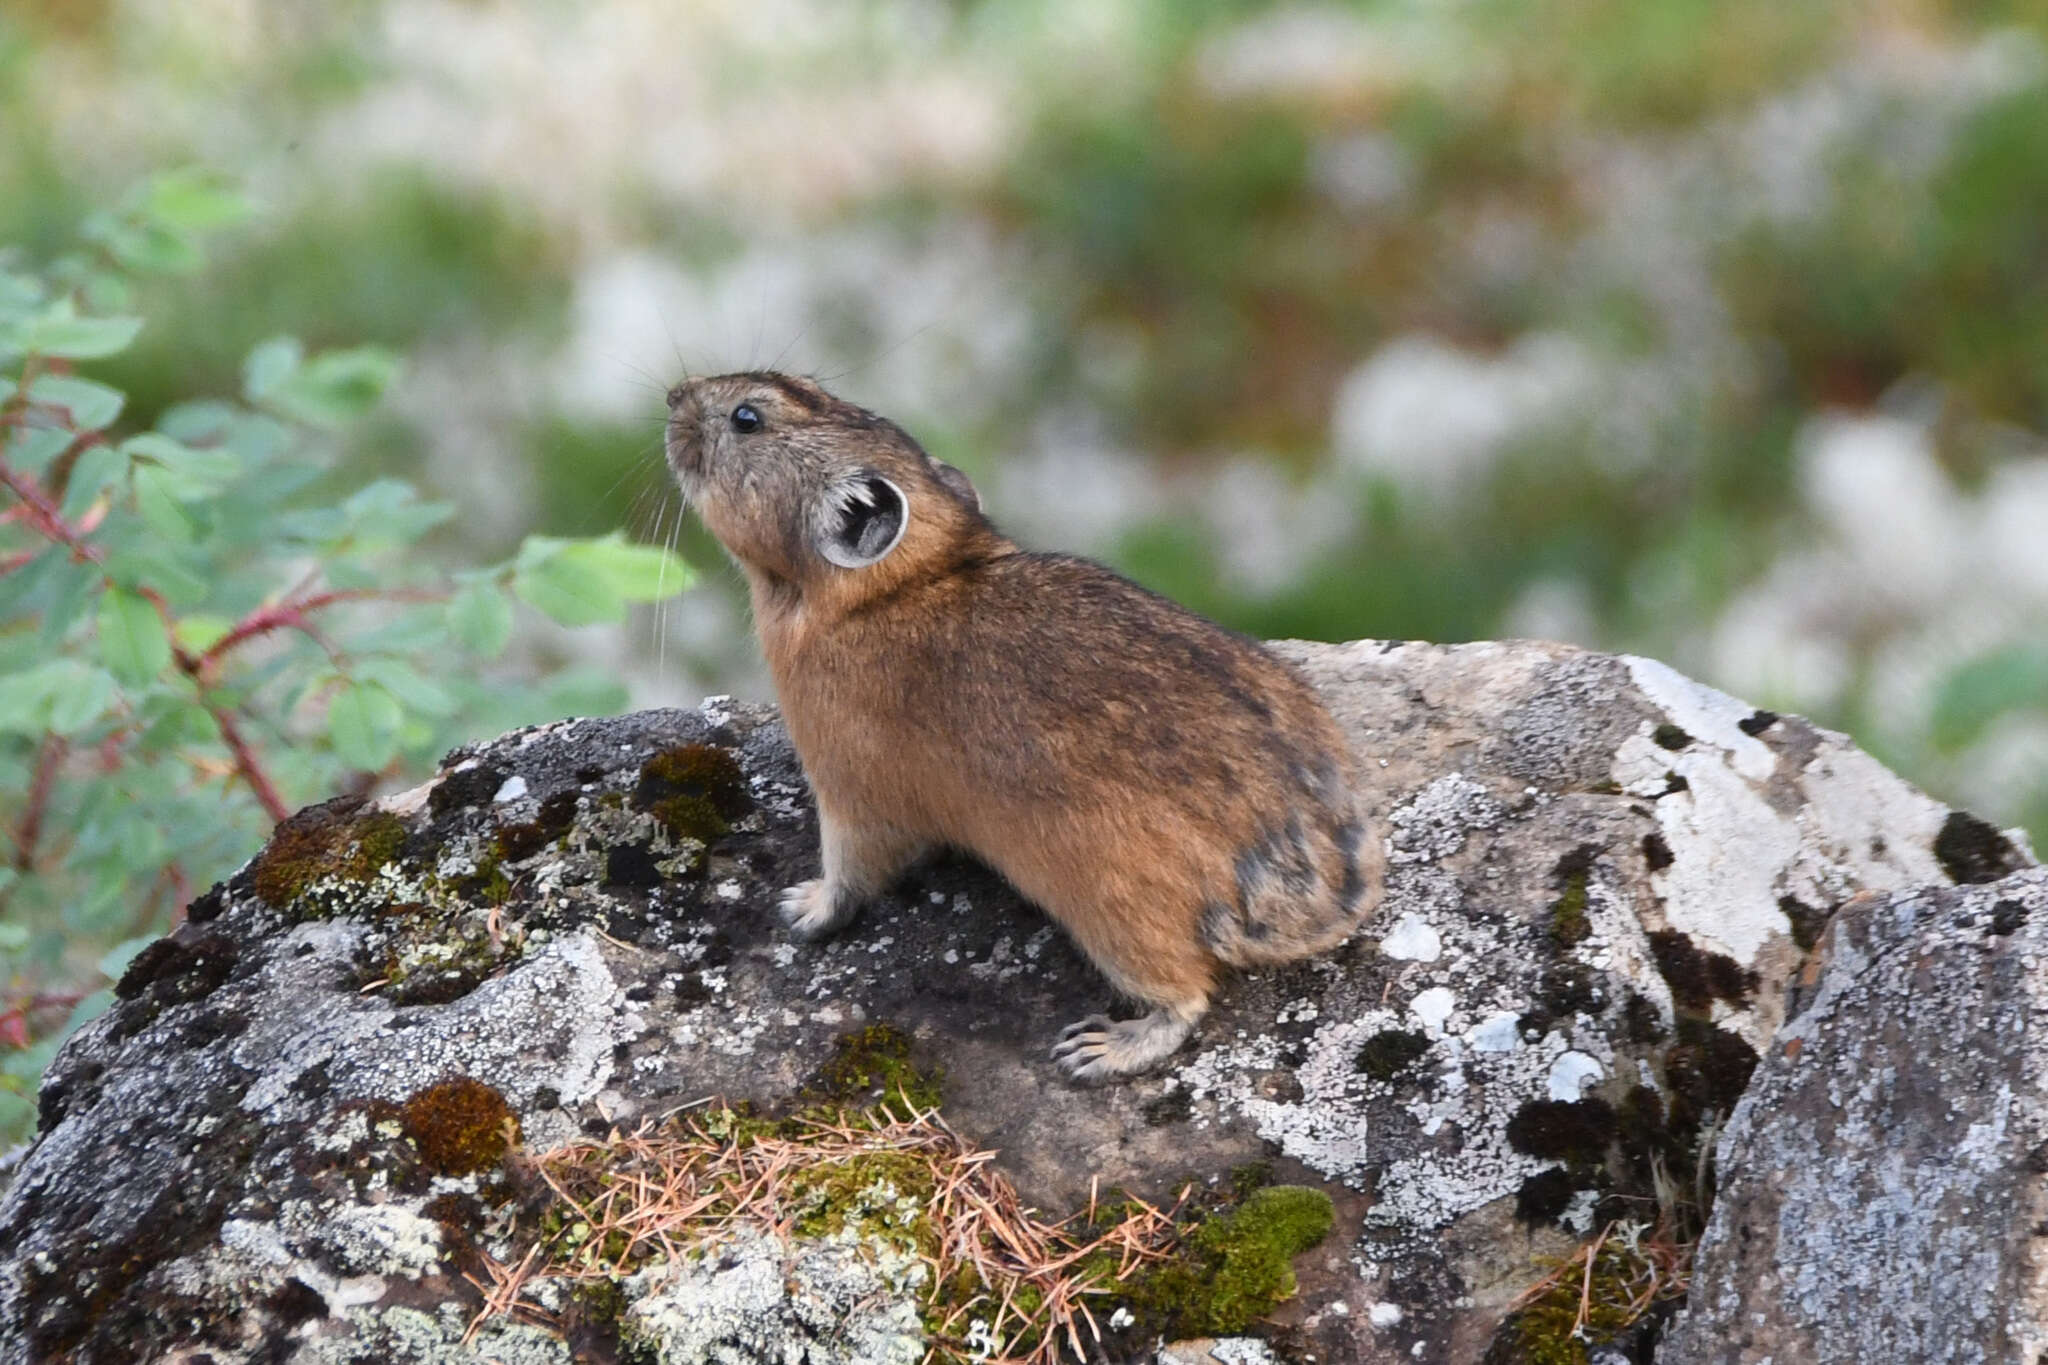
(961, 486)
(860, 520)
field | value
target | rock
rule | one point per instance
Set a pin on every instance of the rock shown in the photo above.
(1884, 1186)
(297, 1131)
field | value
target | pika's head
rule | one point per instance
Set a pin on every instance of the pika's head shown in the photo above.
(806, 489)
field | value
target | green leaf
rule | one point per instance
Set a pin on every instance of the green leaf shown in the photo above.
(637, 573)
(13, 937)
(90, 405)
(407, 686)
(31, 449)
(147, 247)
(391, 512)
(203, 471)
(133, 641)
(334, 387)
(106, 292)
(195, 199)
(199, 632)
(568, 589)
(158, 500)
(62, 333)
(96, 469)
(1987, 688)
(24, 703)
(20, 295)
(480, 616)
(83, 698)
(270, 364)
(63, 695)
(172, 570)
(362, 723)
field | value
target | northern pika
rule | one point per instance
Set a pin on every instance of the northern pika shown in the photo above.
(1171, 793)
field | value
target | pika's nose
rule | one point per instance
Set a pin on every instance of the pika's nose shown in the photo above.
(675, 395)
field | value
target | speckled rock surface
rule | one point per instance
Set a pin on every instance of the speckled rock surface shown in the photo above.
(1885, 1187)
(1600, 878)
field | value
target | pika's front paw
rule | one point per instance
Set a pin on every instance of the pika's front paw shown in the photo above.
(1099, 1047)
(810, 912)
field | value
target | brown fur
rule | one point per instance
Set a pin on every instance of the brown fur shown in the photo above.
(1170, 792)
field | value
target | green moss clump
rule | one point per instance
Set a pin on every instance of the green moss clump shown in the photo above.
(601, 1302)
(439, 969)
(1669, 736)
(488, 884)
(1546, 1332)
(1389, 1052)
(696, 791)
(882, 1194)
(1235, 1267)
(338, 841)
(1568, 921)
(460, 1126)
(878, 1058)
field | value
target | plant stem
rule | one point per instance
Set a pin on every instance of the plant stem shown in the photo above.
(30, 832)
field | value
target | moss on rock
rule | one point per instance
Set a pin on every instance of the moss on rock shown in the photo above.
(873, 1065)
(696, 791)
(460, 1126)
(343, 840)
(1235, 1267)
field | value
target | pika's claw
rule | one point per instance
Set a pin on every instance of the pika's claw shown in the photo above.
(1094, 1023)
(810, 912)
(1098, 1048)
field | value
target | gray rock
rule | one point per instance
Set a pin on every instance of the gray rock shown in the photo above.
(1600, 877)
(1884, 1189)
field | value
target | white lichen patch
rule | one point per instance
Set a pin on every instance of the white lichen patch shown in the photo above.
(551, 1023)
(1431, 1138)
(1435, 822)
(751, 1298)
(1432, 1008)
(438, 1338)
(1705, 715)
(1413, 939)
(363, 1239)
(1571, 1073)
(1746, 838)
(1730, 849)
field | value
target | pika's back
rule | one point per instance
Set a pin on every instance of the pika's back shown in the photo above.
(1036, 693)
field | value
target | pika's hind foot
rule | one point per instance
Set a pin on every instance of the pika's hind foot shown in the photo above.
(811, 910)
(1099, 1047)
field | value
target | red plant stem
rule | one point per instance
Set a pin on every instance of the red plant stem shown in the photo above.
(45, 518)
(30, 832)
(290, 615)
(245, 758)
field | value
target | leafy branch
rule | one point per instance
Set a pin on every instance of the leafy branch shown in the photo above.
(193, 639)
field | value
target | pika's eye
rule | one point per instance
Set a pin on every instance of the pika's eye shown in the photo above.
(745, 419)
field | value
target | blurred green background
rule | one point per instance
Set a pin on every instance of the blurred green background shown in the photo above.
(1713, 331)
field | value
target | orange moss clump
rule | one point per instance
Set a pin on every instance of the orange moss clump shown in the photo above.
(460, 1125)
